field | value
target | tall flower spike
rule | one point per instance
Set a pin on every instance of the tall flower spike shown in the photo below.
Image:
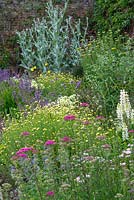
(125, 103)
(132, 116)
(124, 132)
(125, 113)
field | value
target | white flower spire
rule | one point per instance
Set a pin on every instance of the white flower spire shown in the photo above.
(125, 114)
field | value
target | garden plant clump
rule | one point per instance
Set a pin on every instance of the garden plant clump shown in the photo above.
(63, 137)
(63, 145)
(108, 68)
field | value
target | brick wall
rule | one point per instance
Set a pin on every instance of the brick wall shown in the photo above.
(16, 15)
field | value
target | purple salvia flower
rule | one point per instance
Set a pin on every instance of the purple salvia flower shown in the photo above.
(4, 75)
(78, 83)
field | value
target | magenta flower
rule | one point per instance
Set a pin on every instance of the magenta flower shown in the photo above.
(49, 142)
(84, 104)
(25, 133)
(50, 193)
(131, 131)
(24, 149)
(66, 139)
(22, 155)
(69, 117)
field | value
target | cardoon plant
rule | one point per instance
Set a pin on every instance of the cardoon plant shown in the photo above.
(52, 42)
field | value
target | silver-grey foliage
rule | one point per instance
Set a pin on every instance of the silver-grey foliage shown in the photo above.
(53, 40)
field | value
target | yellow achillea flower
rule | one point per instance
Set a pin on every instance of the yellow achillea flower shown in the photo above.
(33, 68)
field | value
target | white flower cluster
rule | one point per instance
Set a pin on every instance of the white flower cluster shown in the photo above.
(34, 84)
(125, 113)
(67, 101)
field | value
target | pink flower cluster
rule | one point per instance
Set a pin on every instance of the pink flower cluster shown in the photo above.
(21, 155)
(131, 131)
(22, 152)
(49, 142)
(66, 139)
(69, 117)
(84, 104)
(25, 149)
(52, 142)
(25, 133)
(100, 117)
(50, 193)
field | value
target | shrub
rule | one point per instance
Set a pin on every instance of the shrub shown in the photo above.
(108, 67)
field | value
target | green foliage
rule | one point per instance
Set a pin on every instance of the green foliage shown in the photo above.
(108, 65)
(7, 101)
(115, 15)
(54, 85)
(4, 58)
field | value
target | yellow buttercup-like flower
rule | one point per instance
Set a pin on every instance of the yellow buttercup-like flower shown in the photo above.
(33, 68)
(48, 72)
(46, 64)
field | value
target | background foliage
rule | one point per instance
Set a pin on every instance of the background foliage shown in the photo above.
(115, 15)
(108, 65)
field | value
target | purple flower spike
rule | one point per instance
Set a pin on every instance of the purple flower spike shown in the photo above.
(4, 74)
(78, 84)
